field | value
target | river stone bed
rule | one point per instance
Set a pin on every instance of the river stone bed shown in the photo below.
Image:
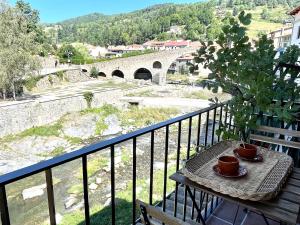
(99, 184)
(80, 126)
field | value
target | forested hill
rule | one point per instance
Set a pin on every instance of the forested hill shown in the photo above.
(198, 21)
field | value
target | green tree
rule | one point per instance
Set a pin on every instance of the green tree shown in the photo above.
(68, 52)
(17, 48)
(88, 96)
(33, 19)
(247, 73)
(264, 14)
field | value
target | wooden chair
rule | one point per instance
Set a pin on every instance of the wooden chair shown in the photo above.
(155, 216)
(274, 140)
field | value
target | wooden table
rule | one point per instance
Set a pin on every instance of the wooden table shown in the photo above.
(285, 207)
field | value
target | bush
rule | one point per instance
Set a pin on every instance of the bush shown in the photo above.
(60, 75)
(94, 72)
(50, 79)
(31, 82)
(88, 96)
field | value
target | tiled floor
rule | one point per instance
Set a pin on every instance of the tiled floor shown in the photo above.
(226, 211)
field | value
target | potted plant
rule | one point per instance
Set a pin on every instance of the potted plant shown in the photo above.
(246, 70)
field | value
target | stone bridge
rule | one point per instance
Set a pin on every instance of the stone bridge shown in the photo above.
(153, 66)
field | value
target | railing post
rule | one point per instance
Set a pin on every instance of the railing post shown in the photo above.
(112, 180)
(220, 120)
(134, 181)
(50, 195)
(213, 128)
(199, 132)
(177, 166)
(151, 167)
(189, 138)
(85, 190)
(166, 167)
(4, 207)
(206, 128)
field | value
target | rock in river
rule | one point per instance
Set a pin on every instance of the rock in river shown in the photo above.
(113, 125)
(81, 126)
(33, 191)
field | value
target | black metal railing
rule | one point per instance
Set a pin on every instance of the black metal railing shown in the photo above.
(202, 138)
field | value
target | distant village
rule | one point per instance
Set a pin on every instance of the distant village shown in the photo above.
(118, 51)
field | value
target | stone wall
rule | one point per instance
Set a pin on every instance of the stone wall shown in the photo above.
(19, 116)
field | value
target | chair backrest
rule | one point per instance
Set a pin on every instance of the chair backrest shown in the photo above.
(154, 216)
(276, 141)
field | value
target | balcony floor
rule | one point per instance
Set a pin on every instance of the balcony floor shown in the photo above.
(225, 212)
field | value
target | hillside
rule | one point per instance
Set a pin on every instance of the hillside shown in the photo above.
(199, 21)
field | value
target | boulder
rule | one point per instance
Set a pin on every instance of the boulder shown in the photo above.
(98, 180)
(33, 191)
(113, 125)
(58, 218)
(93, 186)
(118, 159)
(159, 165)
(107, 202)
(70, 201)
(81, 126)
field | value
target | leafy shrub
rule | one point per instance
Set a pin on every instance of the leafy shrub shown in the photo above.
(60, 75)
(50, 79)
(31, 82)
(94, 72)
(247, 73)
(88, 96)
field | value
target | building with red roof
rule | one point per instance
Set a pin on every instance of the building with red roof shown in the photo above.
(295, 13)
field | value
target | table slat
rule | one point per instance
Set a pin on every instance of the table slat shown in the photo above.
(292, 189)
(283, 204)
(296, 170)
(293, 182)
(290, 197)
(295, 176)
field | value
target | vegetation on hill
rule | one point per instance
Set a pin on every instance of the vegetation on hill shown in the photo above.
(198, 21)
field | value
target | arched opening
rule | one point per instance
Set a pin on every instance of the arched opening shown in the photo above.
(157, 65)
(118, 73)
(101, 74)
(143, 74)
(180, 72)
(84, 70)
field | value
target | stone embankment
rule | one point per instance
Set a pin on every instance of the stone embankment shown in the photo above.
(16, 117)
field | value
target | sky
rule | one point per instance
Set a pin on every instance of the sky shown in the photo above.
(57, 10)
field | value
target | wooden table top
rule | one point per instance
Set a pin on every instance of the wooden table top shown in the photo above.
(285, 207)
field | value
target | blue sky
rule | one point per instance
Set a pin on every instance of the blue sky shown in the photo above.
(57, 10)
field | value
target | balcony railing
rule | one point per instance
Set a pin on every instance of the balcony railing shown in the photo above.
(203, 131)
(207, 135)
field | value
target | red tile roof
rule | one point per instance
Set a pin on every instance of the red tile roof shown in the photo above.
(295, 11)
(176, 43)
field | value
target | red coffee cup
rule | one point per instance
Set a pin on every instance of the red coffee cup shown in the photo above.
(228, 165)
(247, 151)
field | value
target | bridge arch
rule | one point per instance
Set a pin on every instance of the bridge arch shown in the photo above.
(101, 74)
(157, 65)
(118, 73)
(143, 74)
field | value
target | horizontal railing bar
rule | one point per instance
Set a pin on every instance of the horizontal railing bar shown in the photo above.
(59, 160)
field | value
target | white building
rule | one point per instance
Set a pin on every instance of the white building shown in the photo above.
(281, 37)
(295, 13)
(98, 51)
